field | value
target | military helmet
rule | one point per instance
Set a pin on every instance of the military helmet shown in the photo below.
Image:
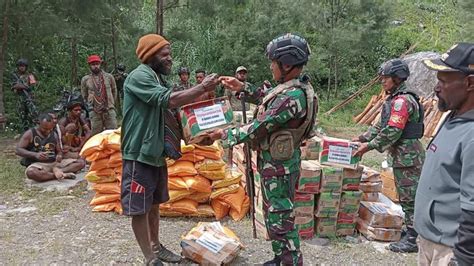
(289, 49)
(22, 62)
(120, 67)
(395, 68)
(183, 70)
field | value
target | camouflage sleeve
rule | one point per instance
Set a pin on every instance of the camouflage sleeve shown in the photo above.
(388, 135)
(371, 132)
(253, 94)
(282, 109)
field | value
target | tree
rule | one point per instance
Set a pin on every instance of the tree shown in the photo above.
(2, 55)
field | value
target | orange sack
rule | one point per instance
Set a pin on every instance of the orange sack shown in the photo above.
(99, 164)
(198, 183)
(235, 200)
(176, 183)
(191, 157)
(184, 206)
(201, 197)
(221, 209)
(182, 168)
(107, 188)
(94, 144)
(110, 206)
(237, 216)
(115, 160)
(100, 198)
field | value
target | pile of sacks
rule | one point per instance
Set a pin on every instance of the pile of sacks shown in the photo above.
(105, 172)
(201, 185)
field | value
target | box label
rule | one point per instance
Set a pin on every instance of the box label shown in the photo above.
(338, 154)
(210, 116)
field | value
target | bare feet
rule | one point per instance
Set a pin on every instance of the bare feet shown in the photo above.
(58, 173)
(69, 176)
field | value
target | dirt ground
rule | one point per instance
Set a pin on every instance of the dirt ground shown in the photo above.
(42, 228)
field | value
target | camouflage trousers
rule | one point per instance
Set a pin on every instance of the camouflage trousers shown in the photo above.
(278, 196)
(103, 121)
(406, 180)
(27, 112)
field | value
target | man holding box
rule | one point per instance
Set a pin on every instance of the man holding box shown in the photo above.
(444, 206)
(283, 120)
(398, 132)
(144, 179)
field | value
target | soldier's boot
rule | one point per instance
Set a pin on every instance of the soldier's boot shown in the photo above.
(407, 243)
(274, 262)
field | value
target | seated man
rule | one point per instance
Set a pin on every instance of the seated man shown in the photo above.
(42, 155)
(76, 131)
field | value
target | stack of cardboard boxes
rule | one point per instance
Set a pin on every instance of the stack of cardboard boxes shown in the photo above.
(378, 221)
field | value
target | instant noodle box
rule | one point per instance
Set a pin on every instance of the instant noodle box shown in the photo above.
(339, 153)
(198, 119)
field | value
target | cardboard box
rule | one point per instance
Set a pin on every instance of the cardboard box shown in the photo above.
(303, 205)
(325, 227)
(389, 187)
(327, 204)
(380, 234)
(310, 178)
(370, 196)
(345, 229)
(351, 178)
(339, 153)
(331, 179)
(208, 244)
(347, 218)
(370, 175)
(306, 230)
(379, 215)
(350, 201)
(197, 119)
(311, 148)
(371, 186)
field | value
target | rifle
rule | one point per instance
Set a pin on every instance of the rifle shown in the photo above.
(249, 178)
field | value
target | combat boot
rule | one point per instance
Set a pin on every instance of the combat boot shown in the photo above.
(274, 262)
(407, 243)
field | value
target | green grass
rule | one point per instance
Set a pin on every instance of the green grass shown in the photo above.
(12, 174)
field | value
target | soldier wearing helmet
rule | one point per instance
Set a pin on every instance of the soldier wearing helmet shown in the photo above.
(183, 83)
(23, 83)
(284, 118)
(398, 132)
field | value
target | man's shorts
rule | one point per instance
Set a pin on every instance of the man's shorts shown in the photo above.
(143, 186)
(48, 167)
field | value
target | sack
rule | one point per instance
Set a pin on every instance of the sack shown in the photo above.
(198, 183)
(99, 164)
(281, 145)
(204, 210)
(213, 148)
(214, 155)
(169, 162)
(176, 195)
(182, 168)
(191, 157)
(176, 183)
(186, 148)
(110, 206)
(214, 174)
(221, 209)
(237, 216)
(104, 198)
(115, 160)
(107, 188)
(231, 177)
(99, 155)
(209, 165)
(113, 141)
(225, 190)
(184, 206)
(94, 144)
(235, 199)
(102, 176)
(201, 197)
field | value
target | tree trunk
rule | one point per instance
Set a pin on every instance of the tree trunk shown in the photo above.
(159, 17)
(335, 74)
(328, 96)
(114, 41)
(74, 79)
(2, 58)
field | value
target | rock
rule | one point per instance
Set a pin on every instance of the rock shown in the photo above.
(65, 197)
(379, 246)
(90, 252)
(317, 242)
(422, 80)
(353, 240)
(55, 185)
(3, 207)
(21, 210)
(32, 200)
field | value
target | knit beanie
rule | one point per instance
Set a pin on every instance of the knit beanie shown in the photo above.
(148, 45)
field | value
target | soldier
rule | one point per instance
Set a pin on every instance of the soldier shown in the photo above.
(200, 74)
(283, 120)
(100, 91)
(398, 132)
(119, 75)
(184, 83)
(23, 83)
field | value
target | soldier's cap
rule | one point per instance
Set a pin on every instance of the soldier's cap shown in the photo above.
(459, 58)
(241, 68)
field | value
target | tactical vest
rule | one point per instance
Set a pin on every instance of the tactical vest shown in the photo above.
(282, 143)
(412, 130)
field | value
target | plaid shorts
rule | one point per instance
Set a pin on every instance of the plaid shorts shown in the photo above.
(143, 186)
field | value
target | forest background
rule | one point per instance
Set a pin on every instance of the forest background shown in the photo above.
(349, 39)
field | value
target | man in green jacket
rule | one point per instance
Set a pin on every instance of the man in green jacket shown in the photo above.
(145, 177)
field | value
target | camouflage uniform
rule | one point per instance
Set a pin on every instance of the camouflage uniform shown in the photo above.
(278, 177)
(182, 87)
(406, 156)
(26, 105)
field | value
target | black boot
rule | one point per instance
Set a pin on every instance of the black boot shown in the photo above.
(407, 243)
(274, 262)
